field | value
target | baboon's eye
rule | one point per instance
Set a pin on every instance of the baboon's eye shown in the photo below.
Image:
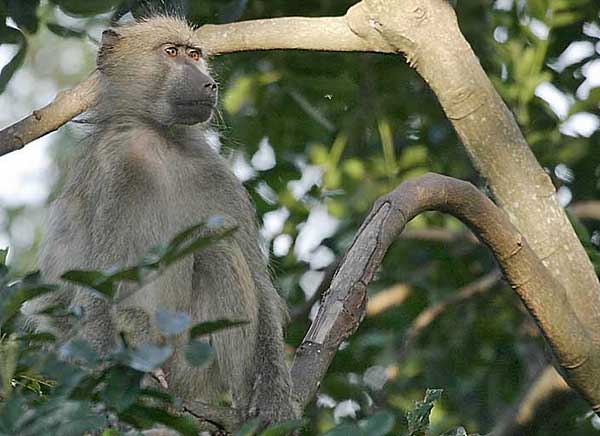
(171, 51)
(194, 54)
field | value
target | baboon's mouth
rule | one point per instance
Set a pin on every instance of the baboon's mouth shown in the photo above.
(194, 103)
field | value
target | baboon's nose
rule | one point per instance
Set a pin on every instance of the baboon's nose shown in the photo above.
(212, 86)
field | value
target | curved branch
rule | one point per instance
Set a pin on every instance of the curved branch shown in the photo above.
(287, 33)
(343, 306)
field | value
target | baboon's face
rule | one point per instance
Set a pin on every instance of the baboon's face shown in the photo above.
(155, 70)
(191, 93)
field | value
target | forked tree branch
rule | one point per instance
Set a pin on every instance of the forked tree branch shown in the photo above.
(343, 305)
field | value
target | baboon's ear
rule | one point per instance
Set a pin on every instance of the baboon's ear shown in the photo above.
(110, 38)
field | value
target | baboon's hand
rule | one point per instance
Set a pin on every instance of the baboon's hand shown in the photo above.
(160, 377)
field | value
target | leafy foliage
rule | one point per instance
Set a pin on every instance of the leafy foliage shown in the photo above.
(50, 388)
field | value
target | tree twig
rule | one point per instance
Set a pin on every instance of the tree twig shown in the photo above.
(586, 210)
(387, 298)
(429, 315)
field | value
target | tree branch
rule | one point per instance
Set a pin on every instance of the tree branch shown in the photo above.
(343, 306)
(291, 33)
(388, 298)
(67, 105)
(213, 418)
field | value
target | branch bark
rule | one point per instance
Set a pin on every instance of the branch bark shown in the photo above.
(343, 306)
(586, 210)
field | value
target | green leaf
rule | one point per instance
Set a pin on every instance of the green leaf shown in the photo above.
(198, 353)
(185, 243)
(121, 388)
(379, 424)
(61, 417)
(249, 428)
(589, 104)
(3, 255)
(80, 350)
(418, 419)
(15, 295)
(11, 411)
(283, 428)
(23, 12)
(86, 7)
(144, 417)
(147, 357)
(67, 376)
(172, 323)
(346, 429)
(207, 327)
(97, 280)
(15, 63)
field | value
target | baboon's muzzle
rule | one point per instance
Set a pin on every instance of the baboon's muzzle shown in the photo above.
(195, 97)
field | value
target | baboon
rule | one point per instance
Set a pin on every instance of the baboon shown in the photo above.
(148, 171)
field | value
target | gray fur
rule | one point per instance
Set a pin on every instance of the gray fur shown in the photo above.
(143, 178)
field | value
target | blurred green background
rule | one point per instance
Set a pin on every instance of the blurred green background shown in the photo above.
(317, 137)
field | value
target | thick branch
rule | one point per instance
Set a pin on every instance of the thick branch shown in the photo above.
(343, 306)
(288, 33)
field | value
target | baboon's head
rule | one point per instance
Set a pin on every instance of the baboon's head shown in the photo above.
(155, 69)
